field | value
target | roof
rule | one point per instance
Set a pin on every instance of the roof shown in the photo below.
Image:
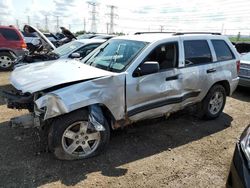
(146, 37)
(152, 37)
(8, 27)
(89, 41)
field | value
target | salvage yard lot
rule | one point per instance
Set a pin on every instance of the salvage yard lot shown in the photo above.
(181, 151)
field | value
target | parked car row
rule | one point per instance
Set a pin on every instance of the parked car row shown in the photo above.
(31, 45)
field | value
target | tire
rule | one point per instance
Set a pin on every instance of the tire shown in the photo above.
(214, 102)
(6, 61)
(68, 142)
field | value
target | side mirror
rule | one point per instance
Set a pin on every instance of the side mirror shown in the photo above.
(75, 55)
(148, 67)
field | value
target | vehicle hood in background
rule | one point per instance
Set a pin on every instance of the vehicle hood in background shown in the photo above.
(40, 35)
(43, 75)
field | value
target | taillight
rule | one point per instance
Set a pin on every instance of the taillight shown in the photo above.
(23, 44)
(238, 66)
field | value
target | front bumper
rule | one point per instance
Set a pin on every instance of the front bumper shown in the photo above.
(244, 81)
(239, 175)
(16, 100)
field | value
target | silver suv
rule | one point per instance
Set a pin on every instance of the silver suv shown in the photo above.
(125, 80)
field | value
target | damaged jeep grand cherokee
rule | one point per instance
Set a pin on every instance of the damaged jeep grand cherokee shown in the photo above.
(126, 79)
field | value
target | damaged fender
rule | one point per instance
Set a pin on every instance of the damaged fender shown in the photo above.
(96, 117)
(108, 91)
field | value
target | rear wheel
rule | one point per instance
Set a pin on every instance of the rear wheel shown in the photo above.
(6, 61)
(213, 104)
(72, 137)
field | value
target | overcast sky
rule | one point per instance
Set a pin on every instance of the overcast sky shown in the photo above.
(225, 16)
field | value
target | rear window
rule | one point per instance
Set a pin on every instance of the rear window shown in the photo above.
(197, 52)
(25, 34)
(222, 50)
(9, 34)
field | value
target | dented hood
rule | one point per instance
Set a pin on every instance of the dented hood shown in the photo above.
(39, 76)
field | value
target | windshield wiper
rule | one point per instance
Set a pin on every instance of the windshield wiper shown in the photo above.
(114, 58)
(92, 61)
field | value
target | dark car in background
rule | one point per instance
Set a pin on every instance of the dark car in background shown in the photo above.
(239, 175)
(12, 46)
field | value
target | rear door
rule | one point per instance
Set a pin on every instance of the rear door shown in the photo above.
(197, 67)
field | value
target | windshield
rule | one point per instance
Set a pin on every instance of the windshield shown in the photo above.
(68, 48)
(116, 54)
(246, 57)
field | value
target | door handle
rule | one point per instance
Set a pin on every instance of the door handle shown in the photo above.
(211, 70)
(175, 77)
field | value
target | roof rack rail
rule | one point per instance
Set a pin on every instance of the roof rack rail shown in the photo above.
(183, 33)
(139, 33)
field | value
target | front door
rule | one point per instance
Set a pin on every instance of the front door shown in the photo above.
(150, 95)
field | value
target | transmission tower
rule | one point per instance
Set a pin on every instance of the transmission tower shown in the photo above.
(112, 16)
(93, 18)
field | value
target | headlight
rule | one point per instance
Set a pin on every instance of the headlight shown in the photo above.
(245, 144)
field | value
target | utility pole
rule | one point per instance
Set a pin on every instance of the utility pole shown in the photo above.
(222, 28)
(112, 16)
(46, 23)
(84, 24)
(69, 27)
(57, 23)
(161, 28)
(93, 18)
(107, 25)
(37, 25)
(28, 19)
(17, 23)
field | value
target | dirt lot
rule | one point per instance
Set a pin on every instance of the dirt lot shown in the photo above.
(181, 151)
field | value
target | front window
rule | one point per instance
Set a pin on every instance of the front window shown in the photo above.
(116, 54)
(68, 48)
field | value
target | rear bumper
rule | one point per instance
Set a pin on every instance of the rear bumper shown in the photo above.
(239, 175)
(233, 85)
(244, 81)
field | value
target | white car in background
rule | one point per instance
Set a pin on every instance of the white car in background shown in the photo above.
(244, 73)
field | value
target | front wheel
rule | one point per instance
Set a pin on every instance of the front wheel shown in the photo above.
(214, 102)
(6, 61)
(72, 137)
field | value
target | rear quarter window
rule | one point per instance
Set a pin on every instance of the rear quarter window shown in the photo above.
(197, 52)
(222, 50)
(9, 34)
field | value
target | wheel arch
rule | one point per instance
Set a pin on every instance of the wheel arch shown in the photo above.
(225, 84)
(8, 51)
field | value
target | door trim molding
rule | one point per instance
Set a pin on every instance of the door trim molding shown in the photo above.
(162, 103)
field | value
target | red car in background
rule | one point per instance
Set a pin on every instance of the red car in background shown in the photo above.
(12, 46)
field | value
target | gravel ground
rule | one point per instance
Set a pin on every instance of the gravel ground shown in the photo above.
(181, 151)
